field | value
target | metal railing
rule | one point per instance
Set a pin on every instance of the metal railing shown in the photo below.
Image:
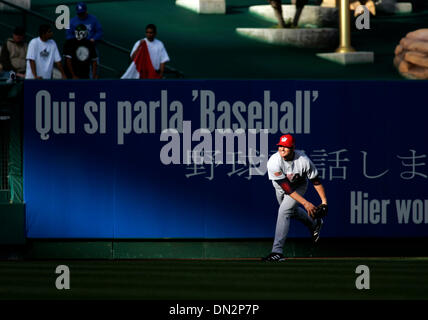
(4, 150)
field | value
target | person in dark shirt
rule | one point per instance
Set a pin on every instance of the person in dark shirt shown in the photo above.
(80, 55)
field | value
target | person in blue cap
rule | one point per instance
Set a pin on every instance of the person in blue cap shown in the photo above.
(95, 31)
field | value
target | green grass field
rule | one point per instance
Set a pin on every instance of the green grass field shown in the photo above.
(298, 278)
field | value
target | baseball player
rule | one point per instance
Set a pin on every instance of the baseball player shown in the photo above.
(289, 170)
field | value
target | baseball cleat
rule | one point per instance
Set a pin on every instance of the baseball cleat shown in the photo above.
(317, 230)
(274, 257)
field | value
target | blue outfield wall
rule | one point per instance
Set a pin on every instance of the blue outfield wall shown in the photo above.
(122, 159)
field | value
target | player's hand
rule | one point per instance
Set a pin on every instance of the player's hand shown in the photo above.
(310, 208)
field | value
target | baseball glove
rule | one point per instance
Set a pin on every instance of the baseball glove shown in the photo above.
(321, 211)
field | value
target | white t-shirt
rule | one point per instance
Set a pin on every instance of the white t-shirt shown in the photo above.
(296, 171)
(157, 52)
(44, 53)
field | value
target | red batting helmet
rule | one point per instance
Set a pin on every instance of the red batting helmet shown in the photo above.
(286, 140)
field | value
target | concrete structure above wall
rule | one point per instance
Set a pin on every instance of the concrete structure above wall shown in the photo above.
(388, 6)
(349, 57)
(403, 7)
(204, 6)
(303, 38)
(26, 4)
(311, 15)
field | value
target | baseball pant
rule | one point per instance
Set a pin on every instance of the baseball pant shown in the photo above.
(288, 208)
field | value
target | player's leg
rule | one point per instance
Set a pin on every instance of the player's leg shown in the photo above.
(279, 194)
(303, 217)
(313, 225)
(282, 225)
(301, 214)
(285, 212)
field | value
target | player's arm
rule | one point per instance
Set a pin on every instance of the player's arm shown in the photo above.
(94, 69)
(161, 69)
(94, 57)
(313, 176)
(34, 69)
(60, 68)
(164, 58)
(285, 185)
(309, 207)
(133, 55)
(69, 64)
(57, 59)
(319, 189)
(135, 49)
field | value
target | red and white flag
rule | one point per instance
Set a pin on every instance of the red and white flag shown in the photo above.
(141, 67)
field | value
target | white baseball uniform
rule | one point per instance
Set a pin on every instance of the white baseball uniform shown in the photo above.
(297, 172)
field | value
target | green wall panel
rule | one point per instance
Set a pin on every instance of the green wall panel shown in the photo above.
(12, 223)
